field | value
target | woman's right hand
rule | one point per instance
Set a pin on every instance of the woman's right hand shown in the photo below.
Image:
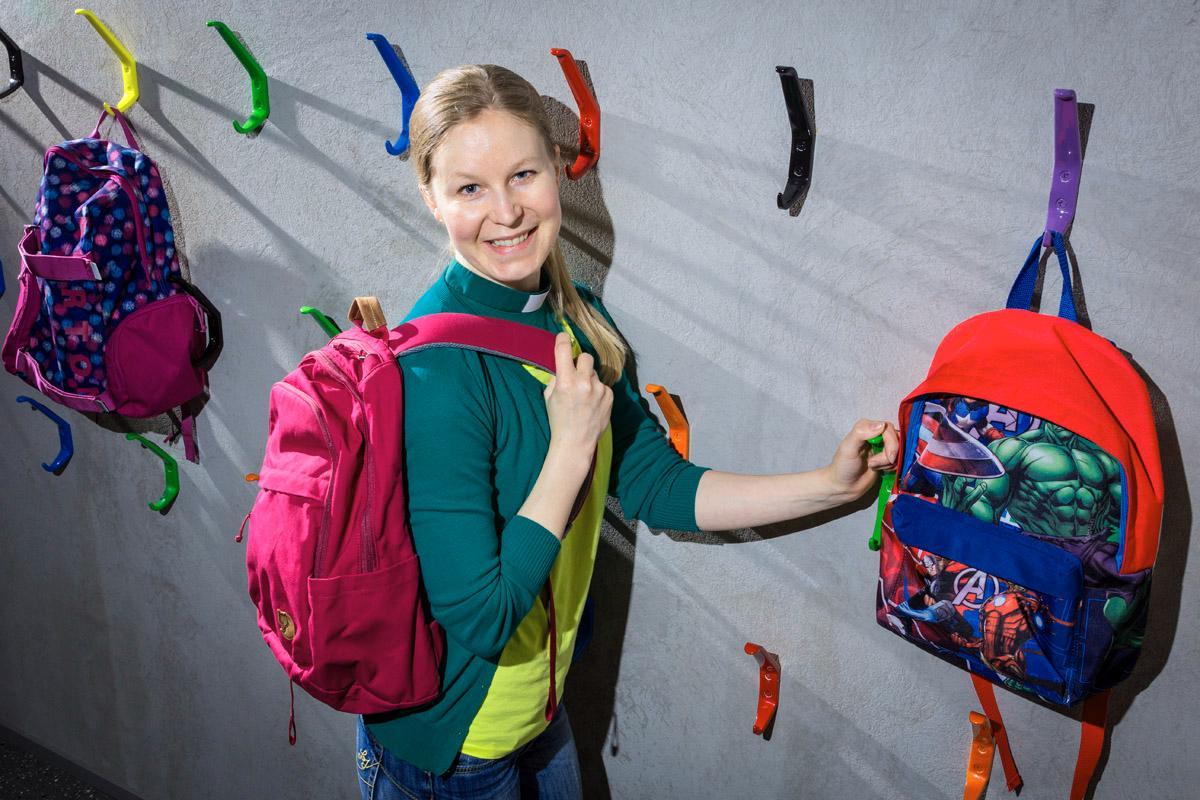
(577, 401)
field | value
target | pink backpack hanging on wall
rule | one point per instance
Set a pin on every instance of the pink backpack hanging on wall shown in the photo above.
(105, 321)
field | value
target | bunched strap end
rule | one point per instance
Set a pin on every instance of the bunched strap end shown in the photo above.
(367, 313)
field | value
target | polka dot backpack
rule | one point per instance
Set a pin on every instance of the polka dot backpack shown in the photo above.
(105, 321)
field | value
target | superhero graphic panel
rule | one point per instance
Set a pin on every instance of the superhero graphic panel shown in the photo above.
(967, 611)
(1000, 550)
(1008, 468)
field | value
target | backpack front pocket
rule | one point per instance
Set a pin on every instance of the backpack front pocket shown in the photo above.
(370, 638)
(1003, 602)
(150, 357)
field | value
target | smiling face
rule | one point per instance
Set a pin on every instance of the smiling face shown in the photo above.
(494, 186)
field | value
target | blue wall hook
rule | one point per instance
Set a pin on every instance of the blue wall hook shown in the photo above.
(408, 90)
(66, 448)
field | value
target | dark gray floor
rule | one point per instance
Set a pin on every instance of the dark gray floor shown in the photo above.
(26, 776)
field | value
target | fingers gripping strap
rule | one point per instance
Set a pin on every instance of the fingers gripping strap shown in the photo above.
(486, 334)
(987, 698)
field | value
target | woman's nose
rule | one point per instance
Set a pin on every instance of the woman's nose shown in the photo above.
(505, 209)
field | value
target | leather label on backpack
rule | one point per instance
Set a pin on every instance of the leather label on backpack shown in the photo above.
(287, 628)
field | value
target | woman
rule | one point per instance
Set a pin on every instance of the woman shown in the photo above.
(498, 453)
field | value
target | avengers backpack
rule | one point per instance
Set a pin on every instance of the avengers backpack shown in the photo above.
(1019, 539)
(105, 321)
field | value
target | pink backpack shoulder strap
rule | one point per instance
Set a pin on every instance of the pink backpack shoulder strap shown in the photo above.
(485, 334)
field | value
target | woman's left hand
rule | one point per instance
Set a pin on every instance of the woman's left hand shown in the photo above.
(853, 468)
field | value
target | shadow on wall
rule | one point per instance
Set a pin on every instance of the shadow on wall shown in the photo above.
(285, 101)
(35, 70)
(178, 147)
(588, 245)
(819, 732)
(587, 240)
(266, 337)
(1163, 613)
(1163, 610)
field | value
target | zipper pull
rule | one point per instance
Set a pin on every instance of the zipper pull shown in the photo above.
(242, 529)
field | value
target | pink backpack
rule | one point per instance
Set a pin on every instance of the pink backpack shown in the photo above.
(330, 556)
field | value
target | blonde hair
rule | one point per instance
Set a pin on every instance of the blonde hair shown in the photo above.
(460, 94)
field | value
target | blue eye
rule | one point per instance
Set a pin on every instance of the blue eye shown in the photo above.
(524, 172)
(463, 190)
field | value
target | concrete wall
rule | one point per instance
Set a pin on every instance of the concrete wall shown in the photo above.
(129, 646)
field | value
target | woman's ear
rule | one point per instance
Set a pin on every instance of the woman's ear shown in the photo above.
(427, 196)
(558, 165)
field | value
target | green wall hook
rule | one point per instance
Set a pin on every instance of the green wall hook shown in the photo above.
(885, 491)
(258, 81)
(170, 474)
(322, 319)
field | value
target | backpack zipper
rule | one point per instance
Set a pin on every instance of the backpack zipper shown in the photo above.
(366, 548)
(323, 533)
(126, 187)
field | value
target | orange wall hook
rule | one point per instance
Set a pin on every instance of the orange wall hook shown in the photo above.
(589, 115)
(768, 686)
(979, 763)
(676, 422)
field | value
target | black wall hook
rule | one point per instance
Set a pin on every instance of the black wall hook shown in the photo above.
(16, 70)
(804, 134)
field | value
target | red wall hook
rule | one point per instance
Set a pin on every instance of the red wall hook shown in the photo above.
(589, 115)
(768, 685)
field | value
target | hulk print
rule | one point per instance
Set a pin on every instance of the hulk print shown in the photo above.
(1055, 483)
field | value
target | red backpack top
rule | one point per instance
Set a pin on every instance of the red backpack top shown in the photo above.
(1024, 524)
(332, 568)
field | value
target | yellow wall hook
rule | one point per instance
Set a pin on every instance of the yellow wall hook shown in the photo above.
(128, 65)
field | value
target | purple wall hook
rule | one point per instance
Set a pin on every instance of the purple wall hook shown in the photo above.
(1068, 163)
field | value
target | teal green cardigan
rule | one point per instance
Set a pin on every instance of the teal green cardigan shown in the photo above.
(476, 434)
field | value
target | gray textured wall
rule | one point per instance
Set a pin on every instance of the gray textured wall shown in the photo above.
(128, 644)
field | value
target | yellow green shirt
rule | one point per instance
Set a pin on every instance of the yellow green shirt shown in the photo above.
(513, 713)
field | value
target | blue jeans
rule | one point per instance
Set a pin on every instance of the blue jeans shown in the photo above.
(546, 768)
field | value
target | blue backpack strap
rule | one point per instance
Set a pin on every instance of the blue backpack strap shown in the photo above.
(1021, 295)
